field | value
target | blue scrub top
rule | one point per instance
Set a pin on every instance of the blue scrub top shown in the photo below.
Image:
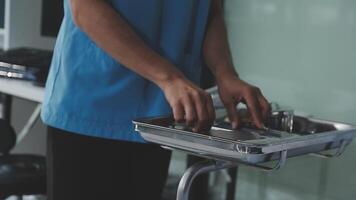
(90, 93)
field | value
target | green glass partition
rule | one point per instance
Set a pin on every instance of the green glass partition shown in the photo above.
(302, 54)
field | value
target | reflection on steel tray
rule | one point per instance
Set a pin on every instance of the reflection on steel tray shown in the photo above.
(286, 135)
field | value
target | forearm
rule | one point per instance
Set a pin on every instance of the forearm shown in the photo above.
(216, 48)
(113, 34)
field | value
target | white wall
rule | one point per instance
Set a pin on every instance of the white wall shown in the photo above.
(23, 25)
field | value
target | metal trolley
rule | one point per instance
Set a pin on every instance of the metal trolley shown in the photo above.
(287, 135)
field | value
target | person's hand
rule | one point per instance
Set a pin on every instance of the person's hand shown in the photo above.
(190, 104)
(233, 90)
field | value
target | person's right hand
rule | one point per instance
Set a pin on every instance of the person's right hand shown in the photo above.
(190, 104)
(233, 90)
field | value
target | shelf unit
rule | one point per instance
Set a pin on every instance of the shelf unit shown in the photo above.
(22, 25)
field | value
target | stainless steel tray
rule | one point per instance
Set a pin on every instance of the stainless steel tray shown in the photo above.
(287, 136)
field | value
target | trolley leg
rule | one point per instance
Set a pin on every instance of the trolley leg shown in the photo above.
(196, 170)
(231, 187)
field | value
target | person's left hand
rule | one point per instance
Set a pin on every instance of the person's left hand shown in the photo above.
(233, 90)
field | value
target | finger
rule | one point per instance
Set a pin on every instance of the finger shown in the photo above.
(178, 112)
(232, 114)
(264, 105)
(189, 110)
(254, 108)
(202, 113)
(211, 110)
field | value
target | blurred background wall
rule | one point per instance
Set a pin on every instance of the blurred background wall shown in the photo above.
(302, 54)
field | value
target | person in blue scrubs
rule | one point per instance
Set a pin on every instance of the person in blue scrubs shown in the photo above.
(117, 60)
